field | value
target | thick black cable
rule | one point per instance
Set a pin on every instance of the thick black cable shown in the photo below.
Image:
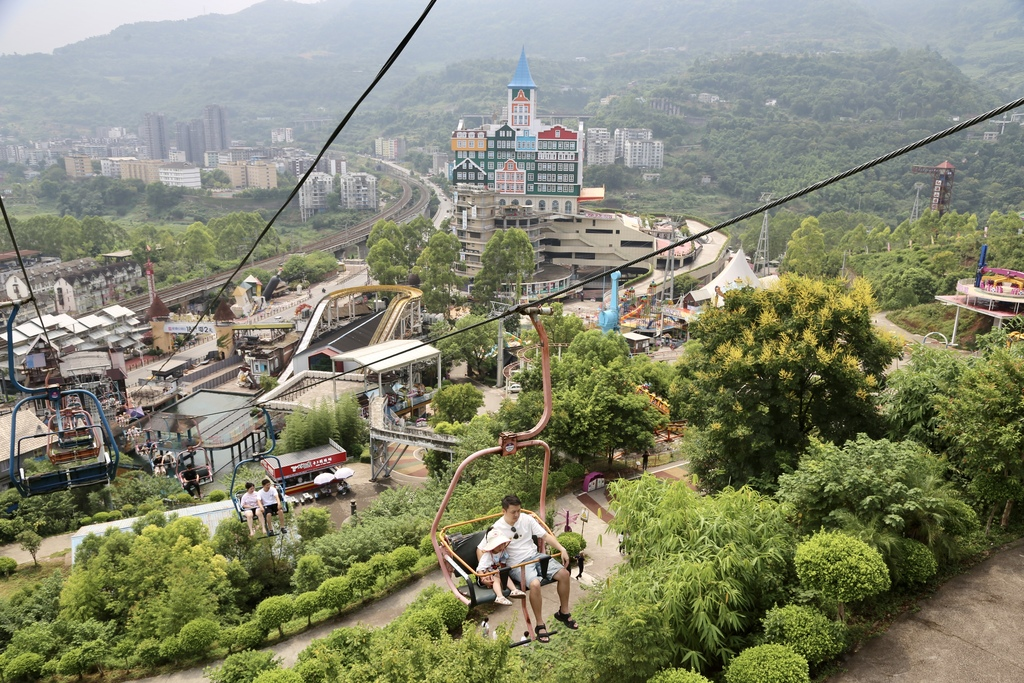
(28, 283)
(518, 310)
(395, 54)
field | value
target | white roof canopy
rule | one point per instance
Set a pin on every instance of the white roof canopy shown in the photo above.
(390, 355)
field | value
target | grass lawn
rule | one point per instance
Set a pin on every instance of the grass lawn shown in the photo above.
(28, 575)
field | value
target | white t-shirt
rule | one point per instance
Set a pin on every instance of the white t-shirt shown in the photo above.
(269, 496)
(523, 548)
(250, 501)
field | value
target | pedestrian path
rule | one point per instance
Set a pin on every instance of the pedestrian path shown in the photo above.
(968, 631)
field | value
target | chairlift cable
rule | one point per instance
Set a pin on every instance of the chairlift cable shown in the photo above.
(24, 272)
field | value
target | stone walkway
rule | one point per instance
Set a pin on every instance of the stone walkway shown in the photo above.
(969, 631)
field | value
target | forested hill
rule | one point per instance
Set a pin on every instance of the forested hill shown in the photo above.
(280, 60)
(874, 86)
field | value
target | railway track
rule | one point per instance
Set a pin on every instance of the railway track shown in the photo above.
(402, 210)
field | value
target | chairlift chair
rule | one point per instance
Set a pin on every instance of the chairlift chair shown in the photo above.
(258, 458)
(456, 552)
(82, 453)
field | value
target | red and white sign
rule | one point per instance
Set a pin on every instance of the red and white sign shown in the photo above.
(311, 465)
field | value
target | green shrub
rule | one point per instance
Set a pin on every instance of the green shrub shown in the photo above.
(8, 565)
(404, 559)
(310, 572)
(380, 565)
(365, 458)
(426, 546)
(115, 514)
(452, 610)
(197, 637)
(425, 620)
(335, 593)
(574, 471)
(242, 667)
(25, 667)
(85, 521)
(313, 522)
(314, 671)
(306, 605)
(128, 510)
(361, 577)
(171, 650)
(216, 496)
(807, 631)
(573, 543)
(274, 612)
(917, 564)
(677, 676)
(557, 482)
(841, 568)
(250, 635)
(147, 653)
(73, 663)
(768, 664)
(278, 676)
(101, 517)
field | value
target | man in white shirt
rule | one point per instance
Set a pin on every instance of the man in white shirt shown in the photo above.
(271, 503)
(522, 528)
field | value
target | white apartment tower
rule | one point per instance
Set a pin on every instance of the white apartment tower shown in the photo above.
(359, 191)
(644, 153)
(313, 194)
(624, 134)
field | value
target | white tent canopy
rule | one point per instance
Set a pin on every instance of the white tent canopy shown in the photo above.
(736, 274)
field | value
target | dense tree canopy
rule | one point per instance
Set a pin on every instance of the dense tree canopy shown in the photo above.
(773, 366)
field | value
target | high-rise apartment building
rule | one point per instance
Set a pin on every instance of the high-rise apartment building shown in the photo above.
(359, 191)
(313, 194)
(600, 147)
(78, 165)
(215, 127)
(153, 134)
(190, 139)
(644, 153)
(392, 149)
(624, 134)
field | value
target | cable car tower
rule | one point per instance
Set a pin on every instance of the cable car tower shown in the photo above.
(942, 184)
(761, 255)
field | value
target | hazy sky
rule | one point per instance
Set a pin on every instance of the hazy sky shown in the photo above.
(41, 25)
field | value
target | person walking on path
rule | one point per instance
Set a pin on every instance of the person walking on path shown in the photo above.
(580, 560)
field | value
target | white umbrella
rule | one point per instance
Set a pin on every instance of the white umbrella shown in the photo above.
(323, 478)
(344, 473)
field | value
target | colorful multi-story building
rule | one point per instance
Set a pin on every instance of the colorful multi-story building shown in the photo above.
(524, 161)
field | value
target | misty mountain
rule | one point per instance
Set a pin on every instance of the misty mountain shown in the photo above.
(278, 59)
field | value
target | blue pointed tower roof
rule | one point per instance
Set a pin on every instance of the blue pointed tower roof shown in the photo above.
(522, 77)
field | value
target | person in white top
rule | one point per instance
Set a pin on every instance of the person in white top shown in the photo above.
(250, 504)
(271, 503)
(522, 529)
(493, 557)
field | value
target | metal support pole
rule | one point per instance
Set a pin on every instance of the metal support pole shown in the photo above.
(956, 323)
(500, 382)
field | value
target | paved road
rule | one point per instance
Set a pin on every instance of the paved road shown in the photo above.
(969, 631)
